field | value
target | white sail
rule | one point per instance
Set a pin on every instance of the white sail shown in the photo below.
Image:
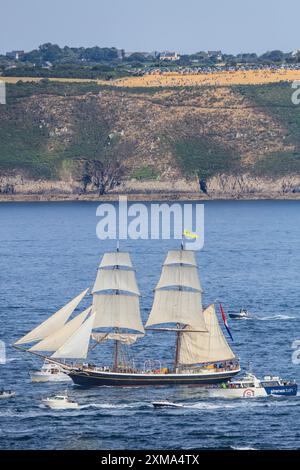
(118, 258)
(181, 276)
(58, 338)
(116, 279)
(54, 323)
(117, 311)
(125, 338)
(76, 347)
(205, 347)
(180, 257)
(173, 306)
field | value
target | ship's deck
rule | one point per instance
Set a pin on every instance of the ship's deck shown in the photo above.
(205, 369)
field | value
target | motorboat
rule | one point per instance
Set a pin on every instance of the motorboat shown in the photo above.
(242, 315)
(250, 386)
(50, 372)
(60, 402)
(166, 404)
(7, 394)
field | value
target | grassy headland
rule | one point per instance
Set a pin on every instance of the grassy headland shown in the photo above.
(159, 133)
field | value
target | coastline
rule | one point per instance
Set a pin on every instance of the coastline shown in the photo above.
(144, 197)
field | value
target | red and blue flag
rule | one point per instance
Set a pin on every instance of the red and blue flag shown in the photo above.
(225, 321)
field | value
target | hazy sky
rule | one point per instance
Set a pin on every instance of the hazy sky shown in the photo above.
(182, 25)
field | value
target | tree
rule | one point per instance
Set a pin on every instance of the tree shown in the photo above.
(273, 56)
(98, 150)
(104, 175)
(138, 57)
(50, 52)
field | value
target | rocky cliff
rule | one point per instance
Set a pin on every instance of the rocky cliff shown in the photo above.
(212, 141)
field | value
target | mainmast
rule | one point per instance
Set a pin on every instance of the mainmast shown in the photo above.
(177, 297)
(177, 348)
(116, 351)
(178, 333)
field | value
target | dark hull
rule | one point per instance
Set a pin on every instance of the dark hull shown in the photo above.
(111, 379)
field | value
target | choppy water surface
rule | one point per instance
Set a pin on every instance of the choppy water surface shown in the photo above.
(49, 253)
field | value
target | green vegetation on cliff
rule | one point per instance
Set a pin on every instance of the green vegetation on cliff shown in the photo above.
(48, 129)
(276, 100)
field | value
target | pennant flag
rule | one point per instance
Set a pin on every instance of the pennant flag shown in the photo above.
(225, 321)
(189, 234)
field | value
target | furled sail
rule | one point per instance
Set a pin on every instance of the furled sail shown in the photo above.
(58, 338)
(54, 323)
(180, 257)
(125, 338)
(174, 306)
(76, 347)
(116, 279)
(117, 311)
(181, 276)
(196, 348)
(118, 258)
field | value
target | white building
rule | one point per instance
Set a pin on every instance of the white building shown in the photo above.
(172, 56)
(15, 55)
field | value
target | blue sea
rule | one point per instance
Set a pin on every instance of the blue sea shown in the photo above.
(49, 253)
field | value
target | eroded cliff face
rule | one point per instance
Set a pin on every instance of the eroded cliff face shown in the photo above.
(221, 186)
(243, 185)
(152, 131)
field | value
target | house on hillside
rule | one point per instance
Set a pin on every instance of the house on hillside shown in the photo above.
(121, 53)
(15, 55)
(171, 56)
(295, 52)
(215, 55)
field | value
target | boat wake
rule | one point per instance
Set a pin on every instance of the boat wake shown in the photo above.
(111, 406)
(279, 317)
(242, 448)
(270, 401)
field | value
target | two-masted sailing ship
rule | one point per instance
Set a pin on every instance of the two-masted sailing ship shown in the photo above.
(201, 352)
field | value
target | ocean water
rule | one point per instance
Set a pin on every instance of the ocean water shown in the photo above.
(251, 258)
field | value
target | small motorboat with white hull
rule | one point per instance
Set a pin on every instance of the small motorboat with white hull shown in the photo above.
(50, 372)
(252, 387)
(166, 404)
(60, 402)
(6, 394)
(242, 315)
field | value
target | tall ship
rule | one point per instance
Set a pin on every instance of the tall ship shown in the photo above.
(201, 352)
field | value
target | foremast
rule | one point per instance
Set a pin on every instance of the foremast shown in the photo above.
(115, 306)
(116, 299)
